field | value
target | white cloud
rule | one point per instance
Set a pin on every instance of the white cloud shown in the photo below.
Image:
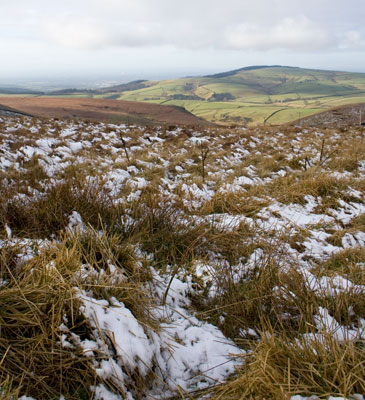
(192, 24)
(90, 33)
(352, 40)
(104, 33)
(76, 33)
(291, 33)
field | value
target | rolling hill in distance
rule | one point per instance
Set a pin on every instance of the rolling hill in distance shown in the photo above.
(246, 96)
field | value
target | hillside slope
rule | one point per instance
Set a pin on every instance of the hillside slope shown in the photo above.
(111, 111)
(342, 116)
(251, 95)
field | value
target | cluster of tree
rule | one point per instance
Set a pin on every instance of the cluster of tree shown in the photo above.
(221, 97)
(124, 87)
(185, 97)
(65, 92)
(15, 90)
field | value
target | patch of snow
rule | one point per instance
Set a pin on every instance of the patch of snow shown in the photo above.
(75, 222)
(326, 323)
(75, 146)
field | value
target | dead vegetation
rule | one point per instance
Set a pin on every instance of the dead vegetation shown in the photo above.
(112, 111)
(219, 209)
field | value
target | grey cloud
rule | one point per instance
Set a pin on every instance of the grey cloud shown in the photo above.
(104, 33)
(297, 33)
(353, 40)
(290, 33)
(232, 24)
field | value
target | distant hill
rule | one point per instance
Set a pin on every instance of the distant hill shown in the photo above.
(250, 95)
(19, 90)
(246, 96)
(70, 92)
(124, 87)
(236, 71)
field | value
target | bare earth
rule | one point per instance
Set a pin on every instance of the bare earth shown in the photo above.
(111, 111)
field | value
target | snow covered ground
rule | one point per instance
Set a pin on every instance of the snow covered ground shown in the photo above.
(187, 354)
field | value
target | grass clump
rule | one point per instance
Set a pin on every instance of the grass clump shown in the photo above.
(278, 367)
(163, 231)
(294, 188)
(40, 306)
(33, 307)
(358, 222)
(348, 263)
(257, 293)
(49, 213)
(235, 203)
(115, 270)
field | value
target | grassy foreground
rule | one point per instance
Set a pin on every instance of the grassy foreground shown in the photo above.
(258, 232)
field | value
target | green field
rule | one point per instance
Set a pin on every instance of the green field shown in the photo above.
(250, 96)
(247, 96)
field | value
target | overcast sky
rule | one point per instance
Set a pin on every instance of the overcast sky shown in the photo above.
(46, 39)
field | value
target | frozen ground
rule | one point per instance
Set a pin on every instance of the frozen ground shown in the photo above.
(188, 354)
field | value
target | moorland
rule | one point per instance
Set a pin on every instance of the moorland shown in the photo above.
(177, 262)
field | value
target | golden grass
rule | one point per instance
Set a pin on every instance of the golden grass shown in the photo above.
(234, 203)
(279, 368)
(33, 307)
(293, 188)
(40, 297)
(43, 216)
(348, 263)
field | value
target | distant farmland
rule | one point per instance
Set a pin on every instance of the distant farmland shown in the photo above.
(253, 95)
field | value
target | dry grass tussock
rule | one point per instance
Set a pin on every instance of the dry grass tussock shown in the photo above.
(274, 315)
(40, 300)
(278, 368)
